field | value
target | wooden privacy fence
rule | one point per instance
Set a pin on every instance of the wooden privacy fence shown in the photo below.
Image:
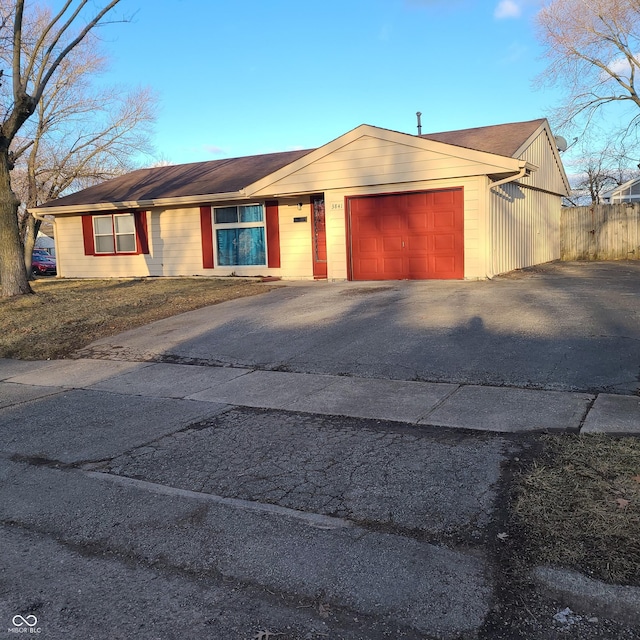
(600, 232)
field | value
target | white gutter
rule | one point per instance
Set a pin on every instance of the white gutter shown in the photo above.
(525, 170)
(142, 204)
(38, 216)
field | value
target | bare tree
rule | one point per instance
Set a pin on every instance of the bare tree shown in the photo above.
(593, 47)
(598, 169)
(80, 135)
(34, 60)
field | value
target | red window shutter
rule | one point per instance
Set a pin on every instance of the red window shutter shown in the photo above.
(273, 234)
(206, 231)
(142, 234)
(87, 235)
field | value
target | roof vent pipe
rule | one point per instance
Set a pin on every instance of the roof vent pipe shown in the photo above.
(419, 115)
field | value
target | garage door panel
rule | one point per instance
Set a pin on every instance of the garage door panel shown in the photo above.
(417, 244)
(367, 225)
(418, 268)
(417, 220)
(444, 242)
(392, 265)
(443, 220)
(443, 266)
(391, 222)
(442, 198)
(369, 245)
(392, 243)
(407, 236)
(414, 200)
(370, 267)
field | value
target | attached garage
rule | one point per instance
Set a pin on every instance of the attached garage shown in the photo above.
(407, 236)
(373, 204)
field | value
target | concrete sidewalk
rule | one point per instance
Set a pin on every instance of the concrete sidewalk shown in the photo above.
(485, 408)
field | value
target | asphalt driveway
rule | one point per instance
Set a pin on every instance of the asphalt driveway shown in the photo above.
(563, 326)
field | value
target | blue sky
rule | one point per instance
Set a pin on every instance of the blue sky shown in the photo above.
(258, 76)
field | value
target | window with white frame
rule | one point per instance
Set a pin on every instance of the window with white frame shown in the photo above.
(114, 233)
(240, 235)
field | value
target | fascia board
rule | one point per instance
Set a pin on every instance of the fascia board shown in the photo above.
(482, 157)
(142, 204)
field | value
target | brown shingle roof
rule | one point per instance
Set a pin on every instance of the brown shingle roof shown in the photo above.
(501, 139)
(197, 178)
(232, 175)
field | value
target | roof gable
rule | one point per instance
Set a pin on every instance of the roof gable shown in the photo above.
(541, 149)
(388, 150)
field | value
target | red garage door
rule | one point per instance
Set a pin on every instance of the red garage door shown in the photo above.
(408, 236)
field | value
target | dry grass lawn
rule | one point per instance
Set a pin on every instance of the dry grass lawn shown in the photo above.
(65, 315)
(579, 506)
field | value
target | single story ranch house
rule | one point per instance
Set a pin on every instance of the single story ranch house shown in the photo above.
(373, 204)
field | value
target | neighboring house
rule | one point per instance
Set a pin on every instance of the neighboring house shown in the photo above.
(43, 241)
(627, 192)
(372, 204)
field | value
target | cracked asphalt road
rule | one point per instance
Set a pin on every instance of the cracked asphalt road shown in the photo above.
(170, 518)
(379, 567)
(382, 473)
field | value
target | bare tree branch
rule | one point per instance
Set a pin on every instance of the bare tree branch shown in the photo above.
(34, 63)
(593, 50)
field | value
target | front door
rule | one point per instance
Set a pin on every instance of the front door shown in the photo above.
(318, 230)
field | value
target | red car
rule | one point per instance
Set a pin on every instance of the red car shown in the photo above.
(43, 263)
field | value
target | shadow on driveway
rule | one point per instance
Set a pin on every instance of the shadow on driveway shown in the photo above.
(562, 326)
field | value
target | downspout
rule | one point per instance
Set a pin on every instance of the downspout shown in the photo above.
(523, 173)
(525, 170)
(53, 220)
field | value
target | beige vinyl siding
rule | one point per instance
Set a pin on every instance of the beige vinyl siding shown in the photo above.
(336, 225)
(72, 263)
(175, 248)
(296, 258)
(524, 228)
(176, 241)
(370, 161)
(540, 153)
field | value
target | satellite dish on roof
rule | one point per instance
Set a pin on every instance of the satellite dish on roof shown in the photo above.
(561, 143)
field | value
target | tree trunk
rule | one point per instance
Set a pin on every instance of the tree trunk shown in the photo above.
(31, 228)
(13, 276)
